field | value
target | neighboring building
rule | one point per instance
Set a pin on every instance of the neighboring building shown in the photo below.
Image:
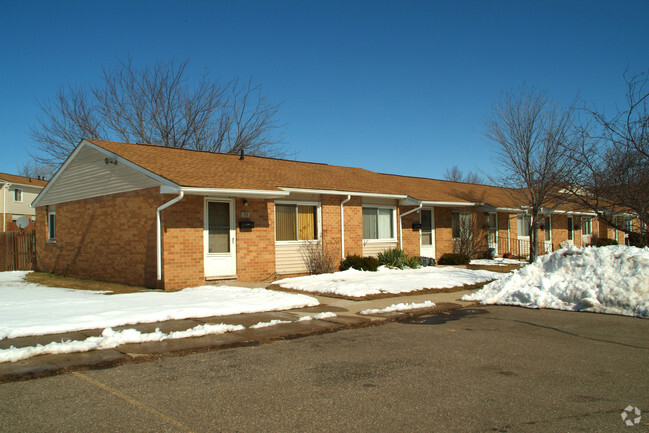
(16, 196)
(172, 218)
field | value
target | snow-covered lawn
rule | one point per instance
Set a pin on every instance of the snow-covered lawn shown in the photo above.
(613, 279)
(357, 284)
(32, 309)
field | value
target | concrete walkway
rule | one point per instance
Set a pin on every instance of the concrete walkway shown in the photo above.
(347, 312)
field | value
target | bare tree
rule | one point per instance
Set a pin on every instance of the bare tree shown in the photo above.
(37, 171)
(158, 104)
(454, 174)
(532, 133)
(611, 162)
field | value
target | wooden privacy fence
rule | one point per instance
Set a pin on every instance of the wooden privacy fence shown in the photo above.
(17, 251)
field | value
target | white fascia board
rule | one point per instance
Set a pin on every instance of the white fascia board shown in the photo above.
(353, 193)
(118, 158)
(569, 212)
(250, 193)
(448, 203)
(509, 210)
(23, 185)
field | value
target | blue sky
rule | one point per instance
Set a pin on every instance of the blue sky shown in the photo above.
(395, 87)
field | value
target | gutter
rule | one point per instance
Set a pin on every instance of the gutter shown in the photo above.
(342, 225)
(421, 204)
(181, 194)
(4, 206)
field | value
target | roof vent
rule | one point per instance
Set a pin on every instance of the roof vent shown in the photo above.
(242, 155)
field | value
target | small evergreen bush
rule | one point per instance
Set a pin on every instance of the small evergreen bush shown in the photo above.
(454, 259)
(602, 242)
(360, 263)
(397, 258)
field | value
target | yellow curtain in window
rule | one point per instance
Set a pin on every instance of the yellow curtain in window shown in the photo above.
(306, 222)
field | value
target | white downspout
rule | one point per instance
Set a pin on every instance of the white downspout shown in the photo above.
(159, 235)
(421, 204)
(4, 206)
(342, 225)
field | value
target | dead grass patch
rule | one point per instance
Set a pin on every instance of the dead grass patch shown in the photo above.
(53, 280)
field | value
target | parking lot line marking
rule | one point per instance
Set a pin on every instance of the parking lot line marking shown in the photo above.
(132, 401)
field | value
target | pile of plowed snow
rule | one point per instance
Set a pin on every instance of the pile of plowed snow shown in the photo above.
(613, 279)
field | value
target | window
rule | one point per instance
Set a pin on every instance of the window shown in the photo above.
(378, 223)
(51, 225)
(523, 224)
(461, 225)
(18, 195)
(570, 228)
(218, 223)
(586, 226)
(426, 227)
(295, 222)
(547, 224)
(492, 227)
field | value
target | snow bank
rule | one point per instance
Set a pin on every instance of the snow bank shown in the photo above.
(613, 279)
(355, 283)
(33, 309)
(399, 307)
(110, 339)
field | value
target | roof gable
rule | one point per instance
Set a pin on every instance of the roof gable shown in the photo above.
(92, 172)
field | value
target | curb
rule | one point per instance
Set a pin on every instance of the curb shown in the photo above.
(50, 365)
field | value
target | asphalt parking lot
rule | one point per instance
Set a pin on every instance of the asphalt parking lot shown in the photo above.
(481, 369)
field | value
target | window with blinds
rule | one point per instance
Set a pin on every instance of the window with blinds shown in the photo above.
(378, 223)
(295, 222)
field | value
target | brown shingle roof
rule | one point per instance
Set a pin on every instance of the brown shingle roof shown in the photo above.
(12, 178)
(191, 168)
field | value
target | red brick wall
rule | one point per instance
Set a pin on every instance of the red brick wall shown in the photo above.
(256, 246)
(110, 238)
(354, 227)
(182, 243)
(410, 241)
(443, 232)
(330, 211)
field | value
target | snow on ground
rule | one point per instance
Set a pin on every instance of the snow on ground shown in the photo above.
(32, 309)
(355, 283)
(497, 262)
(612, 279)
(110, 339)
(399, 307)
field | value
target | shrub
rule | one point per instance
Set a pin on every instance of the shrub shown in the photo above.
(317, 259)
(454, 259)
(397, 258)
(601, 242)
(360, 263)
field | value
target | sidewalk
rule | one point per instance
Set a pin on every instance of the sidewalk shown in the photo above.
(347, 316)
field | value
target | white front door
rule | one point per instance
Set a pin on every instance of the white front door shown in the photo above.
(220, 239)
(427, 234)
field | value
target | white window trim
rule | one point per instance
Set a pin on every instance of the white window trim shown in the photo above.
(394, 223)
(298, 203)
(22, 193)
(461, 213)
(518, 234)
(49, 228)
